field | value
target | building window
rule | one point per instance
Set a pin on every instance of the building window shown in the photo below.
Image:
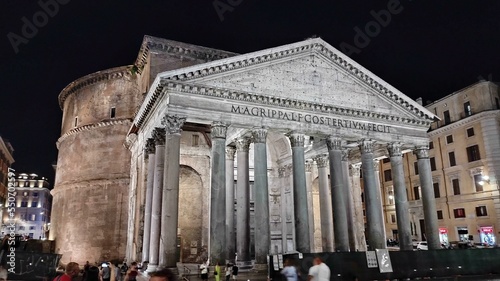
(25, 193)
(388, 175)
(433, 163)
(478, 182)
(416, 192)
(449, 139)
(459, 213)
(467, 109)
(390, 196)
(456, 187)
(32, 228)
(386, 160)
(195, 140)
(497, 102)
(393, 218)
(431, 145)
(440, 214)
(76, 122)
(35, 194)
(32, 217)
(446, 115)
(21, 228)
(112, 113)
(34, 204)
(481, 211)
(436, 190)
(415, 166)
(451, 156)
(24, 204)
(22, 217)
(470, 132)
(473, 153)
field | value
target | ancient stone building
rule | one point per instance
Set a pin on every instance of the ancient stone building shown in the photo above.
(194, 152)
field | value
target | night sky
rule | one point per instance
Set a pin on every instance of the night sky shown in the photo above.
(425, 49)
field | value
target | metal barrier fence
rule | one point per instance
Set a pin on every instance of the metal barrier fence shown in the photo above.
(405, 264)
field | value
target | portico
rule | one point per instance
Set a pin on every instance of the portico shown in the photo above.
(268, 113)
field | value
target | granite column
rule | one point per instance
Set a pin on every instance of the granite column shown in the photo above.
(218, 194)
(351, 229)
(230, 234)
(428, 199)
(261, 198)
(302, 236)
(149, 152)
(402, 205)
(242, 201)
(373, 203)
(325, 204)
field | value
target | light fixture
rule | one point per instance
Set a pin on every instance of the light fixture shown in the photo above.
(484, 178)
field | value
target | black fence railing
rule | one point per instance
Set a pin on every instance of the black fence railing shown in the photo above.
(405, 264)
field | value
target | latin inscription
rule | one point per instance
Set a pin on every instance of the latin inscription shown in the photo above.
(308, 118)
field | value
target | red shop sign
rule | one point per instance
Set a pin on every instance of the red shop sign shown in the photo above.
(487, 229)
(443, 230)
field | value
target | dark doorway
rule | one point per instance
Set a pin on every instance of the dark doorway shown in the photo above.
(422, 230)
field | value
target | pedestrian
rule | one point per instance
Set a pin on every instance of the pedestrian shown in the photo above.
(164, 274)
(204, 271)
(72, 270)
(132, 273)
(289, 271)
(117, 272)
(217, 271)
(93, 274)
(319, 272)
(228, 271)
(234, 271)
(105, 272)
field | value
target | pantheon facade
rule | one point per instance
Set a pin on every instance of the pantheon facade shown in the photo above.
(194, 153)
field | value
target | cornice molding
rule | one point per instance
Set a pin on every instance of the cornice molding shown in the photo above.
(463, 122)
(94, 78)
(125, 121)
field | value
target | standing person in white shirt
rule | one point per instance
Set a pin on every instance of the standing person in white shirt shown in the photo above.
(319, 272)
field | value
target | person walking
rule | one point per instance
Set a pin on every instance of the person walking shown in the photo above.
(204, 271)
(289, 271)
(72, 270)
(217, 272)
(228, 271)
(319, 272)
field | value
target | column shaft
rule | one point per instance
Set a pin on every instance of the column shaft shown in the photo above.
(154, 245)
(242, 201)
(351, 228)
(359, 219)
(170, 199)
(150, 152)
(428, 200)
(261, 198)
(230, 233)
(300, 194)
(400, 196)
(373, 204)
(341, 233)
(325, 205)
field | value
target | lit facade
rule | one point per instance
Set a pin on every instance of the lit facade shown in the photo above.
(33, 204)
(465, 162)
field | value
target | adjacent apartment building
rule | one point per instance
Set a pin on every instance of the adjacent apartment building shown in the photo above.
(465, 161)
(33, 205)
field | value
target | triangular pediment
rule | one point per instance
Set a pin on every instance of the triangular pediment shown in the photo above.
(309, 71)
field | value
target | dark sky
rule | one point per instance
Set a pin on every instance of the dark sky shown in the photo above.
(425, 48)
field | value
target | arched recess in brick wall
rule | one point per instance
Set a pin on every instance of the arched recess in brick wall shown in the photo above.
(190, 214)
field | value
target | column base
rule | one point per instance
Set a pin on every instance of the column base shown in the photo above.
(244, 266)
(151, 268)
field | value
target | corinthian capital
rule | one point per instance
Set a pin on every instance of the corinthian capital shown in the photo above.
(296, 139)
(355, 170)
(308, 166)
(159, 136)
(230, 150)
(394, 149)
(150, 146)
(173, 123)
(321, 160)
(333, 143)
(219, 130)
(259, 135)
(345, 154)
(242, 144)
(366, 145)
(422, 152)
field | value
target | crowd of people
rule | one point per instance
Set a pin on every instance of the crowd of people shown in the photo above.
(110, 272)
(318, 272)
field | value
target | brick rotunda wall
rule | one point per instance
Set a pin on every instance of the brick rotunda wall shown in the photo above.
(90, 206)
